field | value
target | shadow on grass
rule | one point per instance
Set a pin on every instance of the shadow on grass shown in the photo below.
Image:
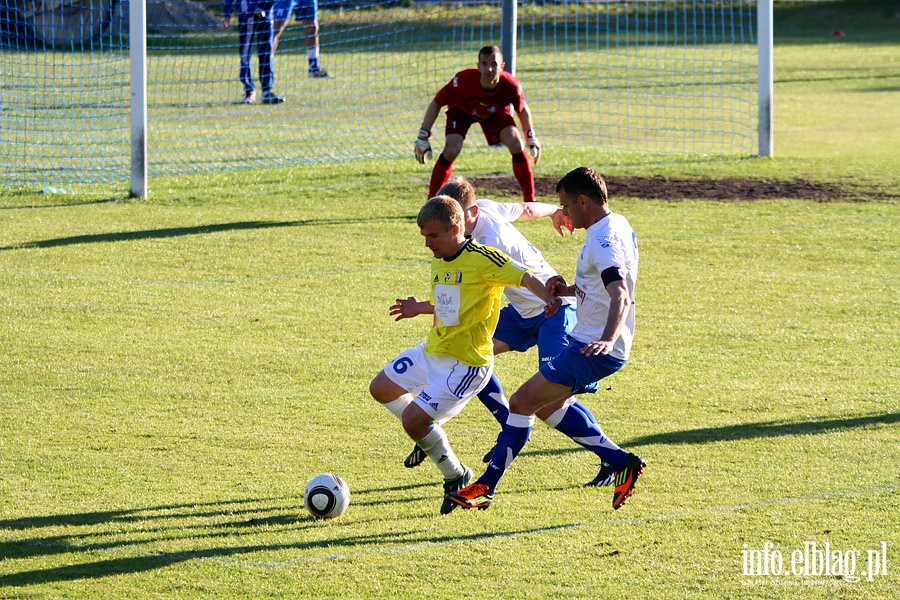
(172, 232)
(742, 431)
(57, 205)
(81, 556)
(747, 431)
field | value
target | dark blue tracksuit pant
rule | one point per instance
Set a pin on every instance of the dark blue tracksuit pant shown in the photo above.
(263, 29)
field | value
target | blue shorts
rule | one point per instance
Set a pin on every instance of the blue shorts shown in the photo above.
(573, 369)
(304, 10)
(550, 335)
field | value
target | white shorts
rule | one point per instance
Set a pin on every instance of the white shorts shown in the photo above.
(443, 384)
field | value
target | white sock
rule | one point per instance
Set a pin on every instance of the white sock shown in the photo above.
(557, 416)
(399, 405)
(437, 447)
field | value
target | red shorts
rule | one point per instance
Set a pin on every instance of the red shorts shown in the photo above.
(458, 122)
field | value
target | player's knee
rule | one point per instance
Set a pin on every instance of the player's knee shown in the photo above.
(520, 404)
(452, 148)
(378, 388)
(416, 422)
(512, 140)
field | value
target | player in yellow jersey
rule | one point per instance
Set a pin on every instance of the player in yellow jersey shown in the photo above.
(456, 360)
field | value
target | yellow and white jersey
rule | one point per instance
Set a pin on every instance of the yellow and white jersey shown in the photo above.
(466, 290)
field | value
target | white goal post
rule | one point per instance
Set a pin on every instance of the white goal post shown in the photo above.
(765, 43)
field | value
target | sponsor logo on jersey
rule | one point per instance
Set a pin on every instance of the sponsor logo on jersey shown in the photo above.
(483, 111)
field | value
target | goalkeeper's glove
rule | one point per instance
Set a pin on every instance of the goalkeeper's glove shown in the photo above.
(423, 146)
(534, 145)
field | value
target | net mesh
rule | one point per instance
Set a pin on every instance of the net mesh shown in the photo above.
(648, 77)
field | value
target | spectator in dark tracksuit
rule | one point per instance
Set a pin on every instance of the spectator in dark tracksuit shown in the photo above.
(255, 20)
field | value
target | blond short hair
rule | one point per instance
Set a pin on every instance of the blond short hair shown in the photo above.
(442, 210)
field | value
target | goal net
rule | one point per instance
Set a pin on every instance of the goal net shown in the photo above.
(675, 77)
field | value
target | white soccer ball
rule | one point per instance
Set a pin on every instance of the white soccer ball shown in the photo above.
(327, 496)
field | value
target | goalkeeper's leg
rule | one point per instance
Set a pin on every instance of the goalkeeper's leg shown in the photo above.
(443, 166)
(521, 166)
(439, 175)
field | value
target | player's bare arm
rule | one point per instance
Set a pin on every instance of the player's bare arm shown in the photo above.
(531, 137)
(620, 304)
(431, 115)
(410, 307)
(538, 210)
(537, 287)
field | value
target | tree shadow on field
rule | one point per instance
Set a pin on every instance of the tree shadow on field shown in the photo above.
(172, 232)
(741, 431)
(746, 431)
(125, 546)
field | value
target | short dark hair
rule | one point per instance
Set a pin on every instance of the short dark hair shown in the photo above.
(584, 180)
(489, 50)
(460, 190)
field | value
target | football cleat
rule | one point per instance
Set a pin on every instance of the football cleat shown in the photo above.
(249, 97)
(415, 458)
(605, 476)
(477, 495)
(320, 74)
(626, 480)
(270, 98)
(451, 485)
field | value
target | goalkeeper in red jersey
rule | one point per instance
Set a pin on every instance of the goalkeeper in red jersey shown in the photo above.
(488, 96)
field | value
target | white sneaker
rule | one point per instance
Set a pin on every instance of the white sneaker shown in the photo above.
(270, 98)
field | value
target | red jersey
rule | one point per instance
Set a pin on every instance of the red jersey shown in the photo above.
(464, 92)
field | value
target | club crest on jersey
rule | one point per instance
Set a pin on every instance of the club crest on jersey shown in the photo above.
(580, 293)
(455, 277)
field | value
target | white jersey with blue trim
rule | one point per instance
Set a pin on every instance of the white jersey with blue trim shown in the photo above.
(610, 243)
(494, 228)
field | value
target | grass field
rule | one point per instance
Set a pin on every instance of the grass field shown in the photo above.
(175, 370)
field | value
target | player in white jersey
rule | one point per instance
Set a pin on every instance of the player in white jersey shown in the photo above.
(522, 322)
(599, 345)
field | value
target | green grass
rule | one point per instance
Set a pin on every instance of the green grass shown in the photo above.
(175, 370)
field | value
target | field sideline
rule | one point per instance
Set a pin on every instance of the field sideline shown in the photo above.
(175, 370)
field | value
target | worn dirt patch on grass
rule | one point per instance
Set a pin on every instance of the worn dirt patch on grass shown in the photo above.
(658, 188)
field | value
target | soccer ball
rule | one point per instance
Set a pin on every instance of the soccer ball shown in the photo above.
(327, 496)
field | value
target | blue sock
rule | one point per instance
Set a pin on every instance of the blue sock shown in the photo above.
(584, 409)
(575, 424)
(492, 398)
(512, 439)
(313, 64)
